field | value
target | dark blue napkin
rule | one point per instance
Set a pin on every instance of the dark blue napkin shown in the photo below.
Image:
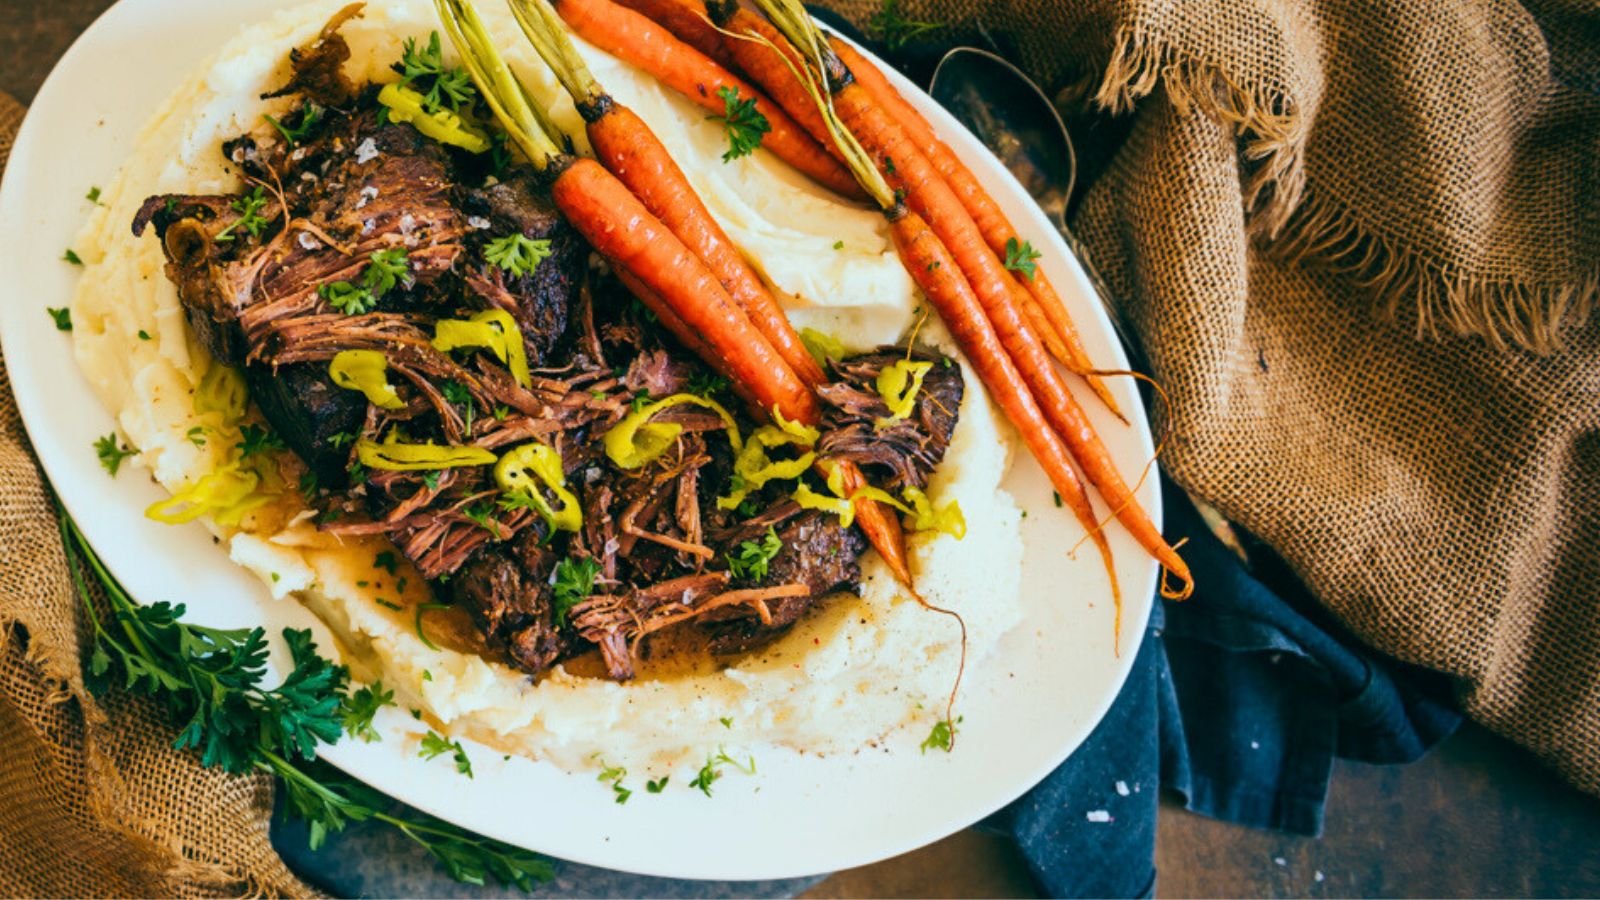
(1239, 701)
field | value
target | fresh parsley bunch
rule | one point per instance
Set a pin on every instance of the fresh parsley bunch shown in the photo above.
(211, 680)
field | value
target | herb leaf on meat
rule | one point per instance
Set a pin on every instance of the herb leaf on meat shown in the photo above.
(574, 582)
(752, 558)
(516, 253)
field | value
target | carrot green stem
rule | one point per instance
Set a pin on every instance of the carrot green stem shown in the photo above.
(505, 95)
(545, 31)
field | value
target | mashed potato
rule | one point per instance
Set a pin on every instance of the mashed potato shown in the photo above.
(855, 672)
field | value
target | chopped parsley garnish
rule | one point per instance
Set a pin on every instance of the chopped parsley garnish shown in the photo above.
(71, 256)
(1057, 496)
(482, 515)
(726, 722)
(1020, 257)
(838, 245)
(752, 558)
(434, 745)
(712, 770)
(516, 253)
(894, 29)
(500, 412)
(308, 483)
(425, 71)
(197, 435)
(431, 479)
(310, 114)
(359, 708)
(384, 269)
(341, 439)
(707, 383)
(745, 124)
(387, 604)
(94, 194)
(457, 394)
(111, 456)
(657, 785)
(250, 218)
(357, 472)
(574, 583)
(386, 561)
(256, 439)
(62, 317)
(639, 400)
(943, 736)
(143, 335)
(615, 774)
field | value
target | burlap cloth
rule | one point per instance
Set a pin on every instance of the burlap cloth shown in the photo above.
(1304, 189)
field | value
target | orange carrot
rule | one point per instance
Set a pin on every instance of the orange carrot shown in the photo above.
(687, 21)
(627, 147)
(936, 273)
(635, 39)
(1059, 333)
(767, 69)
(619, 226)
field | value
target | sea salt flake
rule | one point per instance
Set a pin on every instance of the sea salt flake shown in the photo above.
(366, 151)
(478, 222)
(1279, 861)
(308, 177)
(306, 241)
(1319, 876)
(1255, 745)
(1122, 789)
(1097, 815)
(366, 227)
(368, 194)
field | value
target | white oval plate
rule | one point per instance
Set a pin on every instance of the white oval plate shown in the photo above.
(1025, 709)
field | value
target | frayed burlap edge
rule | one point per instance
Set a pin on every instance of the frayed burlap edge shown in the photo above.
(1303, 227)
(1444, 298)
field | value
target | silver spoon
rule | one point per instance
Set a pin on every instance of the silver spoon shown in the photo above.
(1008, 112)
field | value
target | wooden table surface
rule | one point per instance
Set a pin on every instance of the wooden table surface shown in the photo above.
(1478, 817)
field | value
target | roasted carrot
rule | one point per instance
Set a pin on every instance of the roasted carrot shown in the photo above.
(771, 72)
(881, 156)
(633, 153)
(1055, 326)
(687, 21)
(622, 230)
(635, 39)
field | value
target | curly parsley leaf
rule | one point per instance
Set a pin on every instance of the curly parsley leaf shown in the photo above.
(574, 582)
(71, 256)
(744, 123)
(306, 119)
(1020, 257)
(753, 557)
(441, 86)
(111, 455)
(254, 439)
(434, 745)
(250, 218)
(517, 253)
(62, 317)
(942, 736)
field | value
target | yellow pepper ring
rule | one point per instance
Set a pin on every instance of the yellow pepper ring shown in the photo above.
(530, 470)
(898, 385)
(494, 330)
(444, 126)
(365, 371)
(218, 492)
(636, 441)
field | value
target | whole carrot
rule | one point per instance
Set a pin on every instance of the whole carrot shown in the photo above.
(635, 39)
(687, 21)
(1046, 311)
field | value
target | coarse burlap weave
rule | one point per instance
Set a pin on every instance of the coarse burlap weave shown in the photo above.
(1304, 189)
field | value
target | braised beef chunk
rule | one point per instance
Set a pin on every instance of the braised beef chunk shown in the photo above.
(307, 410)
(816, 553)
(511, 603)
(359, 246)
(857, 426)
(540, 300)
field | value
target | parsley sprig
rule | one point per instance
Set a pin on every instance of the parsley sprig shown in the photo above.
(385, 269)
(745, 124)
(517, 253)
(434, 745)
(711, 772)
(111, 454)
(1020, 257)
(891, 26)
(753, 557)
(574, 583)
(250, 218)
(307, 119)
(211, 680)
(441, 86)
